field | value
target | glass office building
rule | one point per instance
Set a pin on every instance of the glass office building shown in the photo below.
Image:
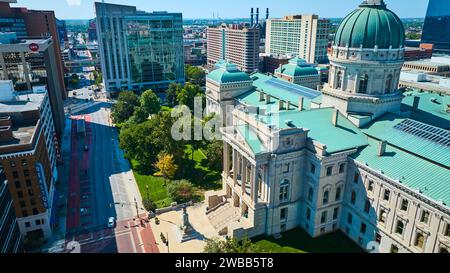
(436, 29)
(139, 50)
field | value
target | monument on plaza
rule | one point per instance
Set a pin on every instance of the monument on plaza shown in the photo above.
(185, 232)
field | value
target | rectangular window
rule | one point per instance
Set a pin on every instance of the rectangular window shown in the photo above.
(353, 197)
(283, 214)
(24, 162)
(308, 213)
(425, 216)
(387, 194)
(12, 164)
(15, 174)
(349, 218)
(28, 182)
(26, 173)
(382, 217)
(35, 211)
(323, 217)
(370, 186)
(312, 168)
(394, 248)
(447, 230)
(27, 224)
(378, 237)
(38, 222)
(356, 177)
(335, 213)
(17, 184)
(420, 240)
(363, 228)
(342, 168)
(404, 205)
(286, 168)
(367, 206)
(22, 204)
(24, 213)
(329, 171)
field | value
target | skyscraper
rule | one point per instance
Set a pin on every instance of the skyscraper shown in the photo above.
(235, 43)
(304, 36)
(436, 29)
(34, 23)
(141, 50)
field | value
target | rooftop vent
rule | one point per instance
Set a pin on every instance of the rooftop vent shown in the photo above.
(382, 147)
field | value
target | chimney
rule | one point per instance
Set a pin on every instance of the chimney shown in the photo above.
(300, 104)
(261, 96)
(267, 98)
(334, 120)
(267, 13)
(257, 16)
(251, 17)
(416, 103)
(280, 105)
(288, 105)
(382, 147)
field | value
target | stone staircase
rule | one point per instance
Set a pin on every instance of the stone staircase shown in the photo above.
(223, 215)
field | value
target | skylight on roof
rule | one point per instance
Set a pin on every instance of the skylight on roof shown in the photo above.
(419, 129)
(294, 88)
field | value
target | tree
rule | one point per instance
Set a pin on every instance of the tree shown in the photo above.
(150, 102)
(195, 74)
(125, 106)
(181, 191)
(214, 154)
(139, 115)
(187, 94)
(74, 80)
(217, 245)
(171, 93)
(166, 166)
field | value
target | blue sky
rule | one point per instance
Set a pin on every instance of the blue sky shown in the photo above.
(84, 9)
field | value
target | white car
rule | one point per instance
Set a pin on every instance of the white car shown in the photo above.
(111, 222)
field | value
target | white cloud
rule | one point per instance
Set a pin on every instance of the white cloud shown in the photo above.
(73, 2)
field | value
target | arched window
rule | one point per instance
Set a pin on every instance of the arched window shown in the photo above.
(338, 193)
(310, 194)
(387, 88)
(363, 82)
(326, 194)
(339, 80)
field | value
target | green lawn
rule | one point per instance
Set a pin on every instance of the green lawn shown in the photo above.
(195, 171)
(298, 241)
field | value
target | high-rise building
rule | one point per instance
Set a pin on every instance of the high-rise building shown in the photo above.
(235, 43)
(32, 62)
(436, 29)
(10, 236)
(62, 32)
(34, 23)
(28, 157)
(142, 50)
(304, 36)
(92, 30)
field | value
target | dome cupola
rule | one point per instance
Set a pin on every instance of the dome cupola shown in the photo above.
(371, 25)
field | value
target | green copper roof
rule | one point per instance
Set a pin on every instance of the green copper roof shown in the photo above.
(371, 25)
(412, 171)
(227, 73)
(432, 108)
(383, 129)
(251, 138)
(338, 138)
(297, 68)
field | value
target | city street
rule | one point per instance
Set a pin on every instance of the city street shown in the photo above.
(101, 185)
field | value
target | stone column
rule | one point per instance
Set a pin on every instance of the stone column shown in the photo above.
(244, 174)
(254, 185)
(235, 167)
(226, 159)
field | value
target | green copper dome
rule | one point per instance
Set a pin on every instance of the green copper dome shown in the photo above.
(370, 25)
(227, 73)
(297, 68)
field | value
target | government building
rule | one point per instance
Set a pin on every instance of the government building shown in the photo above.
(360, 156)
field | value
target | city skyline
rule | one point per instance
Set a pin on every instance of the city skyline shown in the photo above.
(84, 9)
